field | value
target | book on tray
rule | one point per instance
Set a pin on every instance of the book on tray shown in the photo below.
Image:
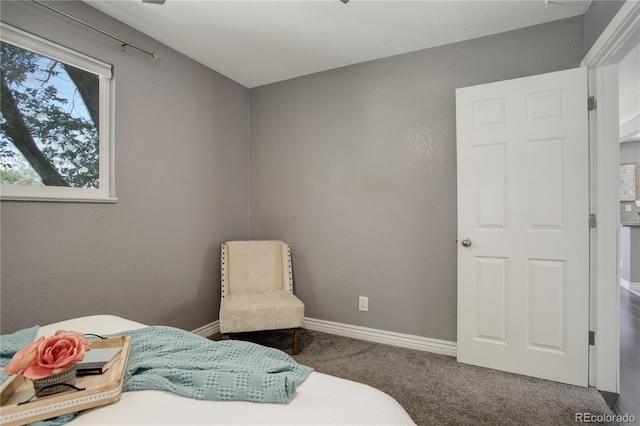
(97, 361)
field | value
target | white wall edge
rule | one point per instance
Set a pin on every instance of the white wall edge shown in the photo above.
(408, 341)
(208, 330)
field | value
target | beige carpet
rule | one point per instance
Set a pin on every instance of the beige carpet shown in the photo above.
(437, 390)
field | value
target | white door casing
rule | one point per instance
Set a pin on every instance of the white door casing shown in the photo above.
(523, 201)
(615, 42)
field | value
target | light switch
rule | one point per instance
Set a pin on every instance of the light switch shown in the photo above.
(627, 208)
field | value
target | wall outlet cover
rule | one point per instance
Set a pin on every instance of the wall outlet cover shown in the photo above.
(363, 303)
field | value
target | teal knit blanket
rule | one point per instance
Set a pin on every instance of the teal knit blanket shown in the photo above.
(173, 360)
(166, 358)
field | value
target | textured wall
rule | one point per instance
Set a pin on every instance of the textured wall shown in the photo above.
(625, 253)
(630, 271)
(634, 264)
(597, 18)
(630, 153)
(181, 179)
(629, 253)
(356, 168)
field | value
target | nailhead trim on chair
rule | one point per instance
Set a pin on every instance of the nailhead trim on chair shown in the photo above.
(290, 271)
(224, 280)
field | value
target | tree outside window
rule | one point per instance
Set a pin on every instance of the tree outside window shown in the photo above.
(49, 121)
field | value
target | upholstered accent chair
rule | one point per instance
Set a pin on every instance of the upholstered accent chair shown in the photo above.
(257, 289)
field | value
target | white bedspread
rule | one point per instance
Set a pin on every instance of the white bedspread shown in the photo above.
(320, 400)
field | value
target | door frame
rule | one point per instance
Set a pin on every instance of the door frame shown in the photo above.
(602, 59)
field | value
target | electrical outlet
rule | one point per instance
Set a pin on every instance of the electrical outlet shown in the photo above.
(627, 208)
(363, 303)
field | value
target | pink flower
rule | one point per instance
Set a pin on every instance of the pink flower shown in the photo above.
(47, 356)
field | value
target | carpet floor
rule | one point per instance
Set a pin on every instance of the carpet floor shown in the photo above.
(437, 390)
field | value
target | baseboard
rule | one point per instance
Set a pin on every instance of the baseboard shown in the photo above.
(624, 283)
(208, 330)
(629, 285)
(409, 341)
(632, 287)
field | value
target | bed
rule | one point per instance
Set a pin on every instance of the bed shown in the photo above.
(319, 399)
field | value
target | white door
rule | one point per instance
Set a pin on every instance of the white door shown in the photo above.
(523, 206)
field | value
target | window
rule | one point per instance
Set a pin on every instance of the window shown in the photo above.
(55, 122)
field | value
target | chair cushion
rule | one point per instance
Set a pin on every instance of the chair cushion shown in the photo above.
(257, 266)
(271, 310)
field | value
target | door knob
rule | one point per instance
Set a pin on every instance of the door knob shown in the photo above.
(466, 242)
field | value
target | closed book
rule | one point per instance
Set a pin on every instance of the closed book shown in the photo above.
(97, 361)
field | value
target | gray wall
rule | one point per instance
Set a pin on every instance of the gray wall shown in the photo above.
(597, 18)
(181, 179)
(634, 254)
(630, 237)
(630, 253)
(625, 253)
(630, 153)
(356, 168)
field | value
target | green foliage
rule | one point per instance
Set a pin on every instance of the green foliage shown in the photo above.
(55, 115)
(26, 177)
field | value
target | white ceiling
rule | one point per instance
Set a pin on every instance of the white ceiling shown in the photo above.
(261, 42)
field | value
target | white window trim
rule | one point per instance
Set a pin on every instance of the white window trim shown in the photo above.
(106, 192)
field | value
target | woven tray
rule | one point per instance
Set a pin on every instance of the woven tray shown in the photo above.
(99, 390)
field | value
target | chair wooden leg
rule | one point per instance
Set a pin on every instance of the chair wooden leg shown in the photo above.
(297, 332)
(224, 337)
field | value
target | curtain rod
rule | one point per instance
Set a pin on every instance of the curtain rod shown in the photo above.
(124, 42)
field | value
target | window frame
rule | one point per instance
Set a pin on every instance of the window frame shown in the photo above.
(105, 193)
